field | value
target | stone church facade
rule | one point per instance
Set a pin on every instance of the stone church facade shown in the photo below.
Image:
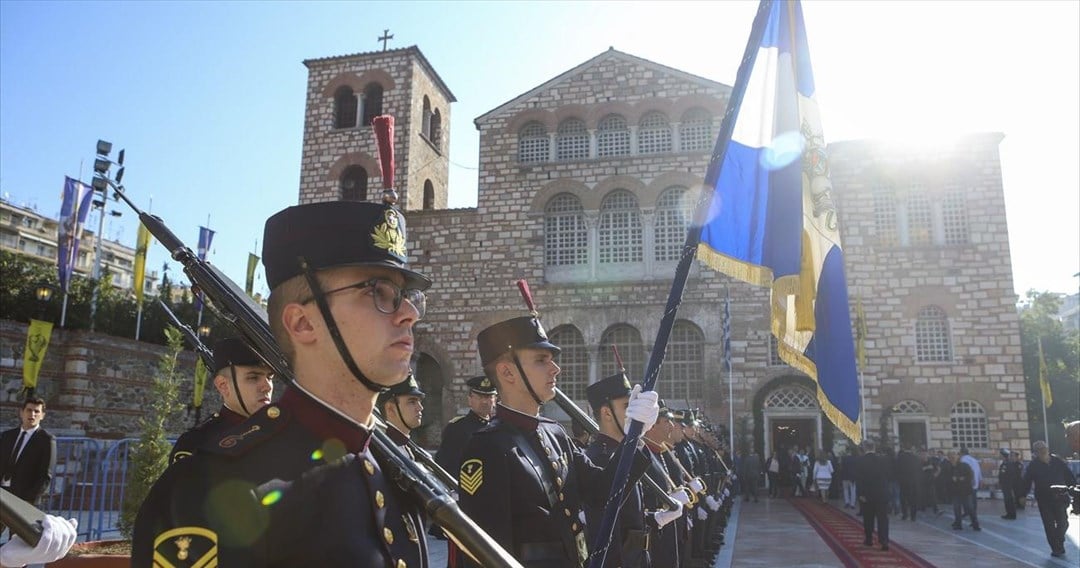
(586, 183)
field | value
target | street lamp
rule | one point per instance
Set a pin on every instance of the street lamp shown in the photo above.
(204, 331)
(43, 293)
(101, 184)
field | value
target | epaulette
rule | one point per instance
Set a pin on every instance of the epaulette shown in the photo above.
(243, 437)
(456, 418)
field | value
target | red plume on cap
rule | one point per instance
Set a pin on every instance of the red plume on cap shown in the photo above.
(526, 294)
(618, 360)
(384, 141)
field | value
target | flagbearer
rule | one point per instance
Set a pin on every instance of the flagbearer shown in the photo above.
(609, 398)
(522, 479)
(402, 407)
(245, 384)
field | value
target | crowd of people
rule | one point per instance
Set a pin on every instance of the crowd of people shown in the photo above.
(878, 483)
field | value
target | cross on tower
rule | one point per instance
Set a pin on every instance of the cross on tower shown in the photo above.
(386, 36)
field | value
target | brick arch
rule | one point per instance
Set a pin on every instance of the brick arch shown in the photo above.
(573, 111)
(651, 194)
(377, 76)
(362, 159)
(711, 103)
(598, 112)
(606, 186)
(545, 117)
(343, 80)
(661, 105)
(758, 409)
(553, 188)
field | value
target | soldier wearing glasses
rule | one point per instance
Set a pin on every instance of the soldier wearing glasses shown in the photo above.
(342, 306)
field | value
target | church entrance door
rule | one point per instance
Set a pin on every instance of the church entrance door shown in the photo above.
(793, 432)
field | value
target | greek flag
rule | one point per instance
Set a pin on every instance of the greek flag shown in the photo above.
(772, 221)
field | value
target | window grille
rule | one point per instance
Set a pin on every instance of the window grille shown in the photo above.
(932, 341)
(566, 240)
(695, 131)
(612, 136)
(654, 134)
(533, 143)
(574, 361)
(967, 421)
(620, 229)
(572, 140)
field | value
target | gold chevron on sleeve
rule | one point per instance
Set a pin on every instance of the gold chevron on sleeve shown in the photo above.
(472, 476)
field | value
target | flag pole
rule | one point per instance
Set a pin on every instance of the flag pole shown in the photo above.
(1042, 394)
(682, 271)
(726, 324)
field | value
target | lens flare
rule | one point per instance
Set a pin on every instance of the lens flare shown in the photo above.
(271, 498)
(785, 149)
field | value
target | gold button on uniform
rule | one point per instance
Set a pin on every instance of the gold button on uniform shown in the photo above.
(370, 467)
(567, 511)
(574, 527)
(561, 497)
(402, 564)
(273, 412)
(388, 535)
(379, 500)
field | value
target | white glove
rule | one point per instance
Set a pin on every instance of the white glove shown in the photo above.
(454, 495)
(689, 522)
(57, 536)
(680, 496)
(697, 485)
(581, 517)
(712, 503)
(643, 408)
(701, 514)
(664, 517)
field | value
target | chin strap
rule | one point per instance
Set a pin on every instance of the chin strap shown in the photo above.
(615, 417)
(335, 333)
(236, 389)
(397, 406)
(525, 378)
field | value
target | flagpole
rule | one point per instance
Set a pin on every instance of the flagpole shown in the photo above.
(862, 402)
(731, 409)
(1042, 394)
(682, 271)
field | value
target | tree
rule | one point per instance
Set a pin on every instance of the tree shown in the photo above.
(150, 456)
(1061, 349)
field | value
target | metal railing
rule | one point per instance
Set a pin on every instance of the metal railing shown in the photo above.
(88, 483)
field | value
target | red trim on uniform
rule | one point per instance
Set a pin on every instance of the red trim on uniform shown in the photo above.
(318, 418)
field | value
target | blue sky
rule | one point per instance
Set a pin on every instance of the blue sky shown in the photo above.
(208, 98)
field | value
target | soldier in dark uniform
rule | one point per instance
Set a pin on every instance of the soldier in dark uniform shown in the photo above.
(1010, 474)
(1043, 471)
(245, 383)
(522, 479)
(665, 538)
(608, 399)
(297, 484)
(402, 406)
(457, 432)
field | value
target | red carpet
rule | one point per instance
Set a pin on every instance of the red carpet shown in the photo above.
(844, 535)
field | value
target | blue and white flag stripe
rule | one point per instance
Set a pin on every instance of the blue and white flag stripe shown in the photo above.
(772, 221)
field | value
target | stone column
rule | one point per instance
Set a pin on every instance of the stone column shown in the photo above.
(676, 140)
(552, 149)
(74, 386)
(648, 232)
(592, 223)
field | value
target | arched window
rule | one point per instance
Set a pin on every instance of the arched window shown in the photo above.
(429, 195)
(909, 407)
(533, 143)
(791, 397)
(954, 217)
(345, 105)
(654, 134)
(566, 240)
(695, 132)
(967, 421)
(436, 129)
(932, 342)
(632, 351)
(620, 228)
(425, 124)
(572, 140)
(574, 360)
(774, 352)
(885, 215)
(373, 99)
(354, 184)
(920, 217)
(683, 373)
(612, 136)
(672, 218)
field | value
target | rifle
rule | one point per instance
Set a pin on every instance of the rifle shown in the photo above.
(201, 350)
(21, 517)
(251, 322)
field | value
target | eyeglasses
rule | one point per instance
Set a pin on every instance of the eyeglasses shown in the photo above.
(387, 295)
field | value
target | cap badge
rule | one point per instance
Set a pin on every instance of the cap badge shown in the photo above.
(389, 236)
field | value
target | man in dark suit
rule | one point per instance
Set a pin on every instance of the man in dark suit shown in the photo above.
(872, 488)
(28, 454)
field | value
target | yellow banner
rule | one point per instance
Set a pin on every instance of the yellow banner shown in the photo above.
(200, 381)
(1044, 380)
(249, 283)
(142, 243)
(37, 341)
